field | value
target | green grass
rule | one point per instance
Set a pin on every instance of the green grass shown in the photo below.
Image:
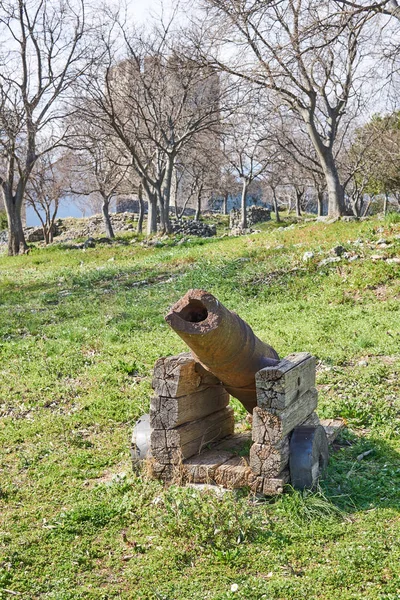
(79, 334)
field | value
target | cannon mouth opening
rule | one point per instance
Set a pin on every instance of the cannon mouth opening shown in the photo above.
(193, 312)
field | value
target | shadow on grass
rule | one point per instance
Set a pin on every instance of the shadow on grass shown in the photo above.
(363, 476)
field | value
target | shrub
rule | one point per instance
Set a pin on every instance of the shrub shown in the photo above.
(3, 220)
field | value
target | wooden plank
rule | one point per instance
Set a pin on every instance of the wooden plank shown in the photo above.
(175, 376)
(174, 445)
(268, 460)
(282, 384)
(235, 473)
(272, 486)
(332, 428)
(201, 467)
(270, 426)
(166, 413)
(275, 372)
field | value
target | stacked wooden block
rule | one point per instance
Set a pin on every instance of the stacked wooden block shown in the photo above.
(286, 398)
(188, 412)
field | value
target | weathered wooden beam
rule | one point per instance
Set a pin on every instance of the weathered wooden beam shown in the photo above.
(268, 460)
(176, 376)
(270, 426)
(201, 468)
(166, 413)
(278, 386)
(174, 445)
(235, 473)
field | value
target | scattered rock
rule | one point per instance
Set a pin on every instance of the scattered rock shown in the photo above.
(353, 258)
(330, 259)
(338, 250)
(362, 363)
(395, 260)
(240, 231)
(377, 257)
(90, 243)
(308, 256)
(327, 219)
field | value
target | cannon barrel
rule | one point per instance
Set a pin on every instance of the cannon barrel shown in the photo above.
(222, 342)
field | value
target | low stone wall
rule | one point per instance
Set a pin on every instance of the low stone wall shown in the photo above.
(190, 227)
(255, 214)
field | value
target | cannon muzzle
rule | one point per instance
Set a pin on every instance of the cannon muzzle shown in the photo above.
(222, 342)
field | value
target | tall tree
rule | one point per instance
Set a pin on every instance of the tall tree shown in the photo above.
(307, 52)
(42, 52)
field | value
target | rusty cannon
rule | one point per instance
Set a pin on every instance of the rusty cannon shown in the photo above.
(223, 343)
(189, 434)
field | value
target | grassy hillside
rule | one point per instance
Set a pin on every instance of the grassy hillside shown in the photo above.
(79, 334)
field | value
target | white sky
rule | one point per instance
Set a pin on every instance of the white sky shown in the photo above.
(143, 10)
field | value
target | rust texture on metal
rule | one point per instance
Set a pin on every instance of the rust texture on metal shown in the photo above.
(222, 342)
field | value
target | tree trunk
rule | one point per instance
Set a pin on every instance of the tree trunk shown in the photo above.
(106, 216)
(385, 204)
(141, 209)
(198, 209)
(225, 204)
(298, 202)
(152, 215)
(366, 208)
(336, 204)
(320, 202)
(243, 220)
(275, 201)
(163, 220)
(16, 238)
(174, 188)
(165, 197)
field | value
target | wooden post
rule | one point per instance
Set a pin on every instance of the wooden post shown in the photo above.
(286, 398)
(190, 411)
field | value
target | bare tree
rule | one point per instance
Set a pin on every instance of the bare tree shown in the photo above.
(100, 169)
(307, 52)
(155, 102)
(228, 185)
(245, 146)
(199, 173)
(42, 52)
(46, 187)
(371, 163)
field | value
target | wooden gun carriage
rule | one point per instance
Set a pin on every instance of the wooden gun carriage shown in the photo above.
(189, 435)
